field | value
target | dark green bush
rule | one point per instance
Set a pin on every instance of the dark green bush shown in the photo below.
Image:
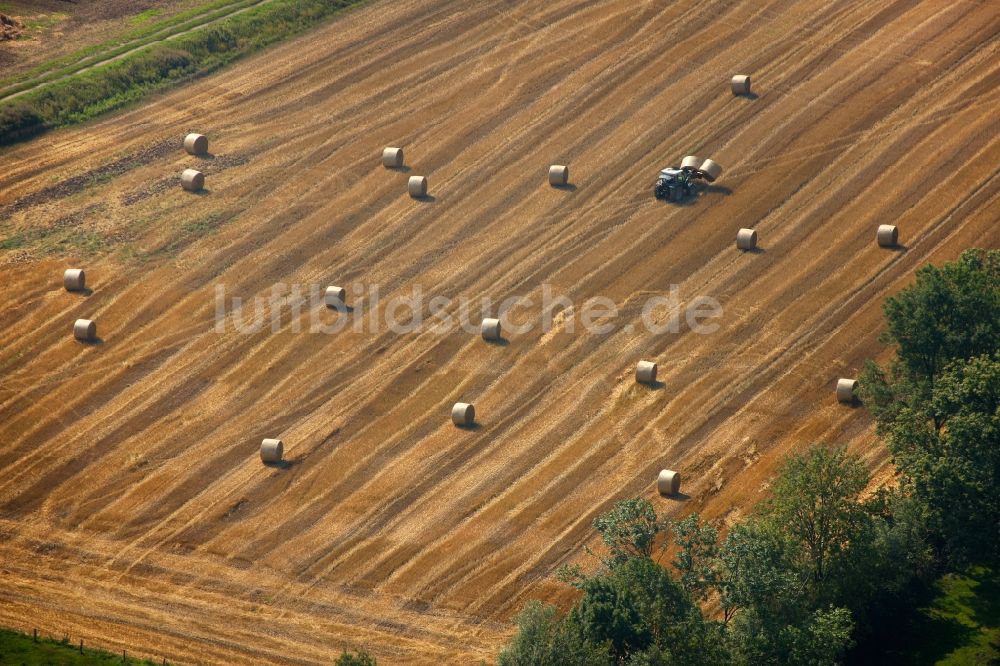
(19, 121)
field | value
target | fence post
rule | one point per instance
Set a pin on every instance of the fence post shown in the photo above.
(81, 646)
(35, 633)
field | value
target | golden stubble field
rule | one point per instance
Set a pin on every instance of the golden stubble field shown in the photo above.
(134, 509)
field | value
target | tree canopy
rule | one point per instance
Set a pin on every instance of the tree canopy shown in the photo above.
(937, 403)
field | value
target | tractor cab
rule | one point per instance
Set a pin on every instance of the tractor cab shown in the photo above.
(673, 173)
(674, 184)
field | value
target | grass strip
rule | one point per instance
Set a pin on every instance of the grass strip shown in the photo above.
(98, 53)
(146, 30)
(26, 650)
(116, 84)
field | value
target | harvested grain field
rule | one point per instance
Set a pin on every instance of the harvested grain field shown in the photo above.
(134, 508)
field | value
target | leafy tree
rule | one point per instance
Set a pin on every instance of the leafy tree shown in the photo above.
(769, 616)
(901, 536)
(846, 551)
(767, 573)
(824, 640)
(545, 638)
(821, 639)
(637, 609)
(816, 505)
(949, 314)
(636, 613)
(948, 450)
(755, 573)
(893, 568)
(629, 530)
(793, 579)
(359, 658)
(631, 611)
(952, 312)
(936, 403)
(697, 555)
(611, 611)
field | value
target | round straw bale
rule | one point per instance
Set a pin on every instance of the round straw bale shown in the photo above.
(74, 279)
(887, 235)
(491, 329)
(463, 414)
(691, 162)
(746, 239)
(846, 389)
(192, 180)
(710, 170)
(271, 450)
(392, 158)
(669, 482)
(645, 372)
(558, 174)
(335, 297)
(85, 329)
(417, 186)
(196, 144)
(741, 84)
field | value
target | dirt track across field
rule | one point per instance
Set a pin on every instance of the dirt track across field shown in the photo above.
(134, 510)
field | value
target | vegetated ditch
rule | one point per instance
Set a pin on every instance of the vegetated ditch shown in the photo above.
(116, 84)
